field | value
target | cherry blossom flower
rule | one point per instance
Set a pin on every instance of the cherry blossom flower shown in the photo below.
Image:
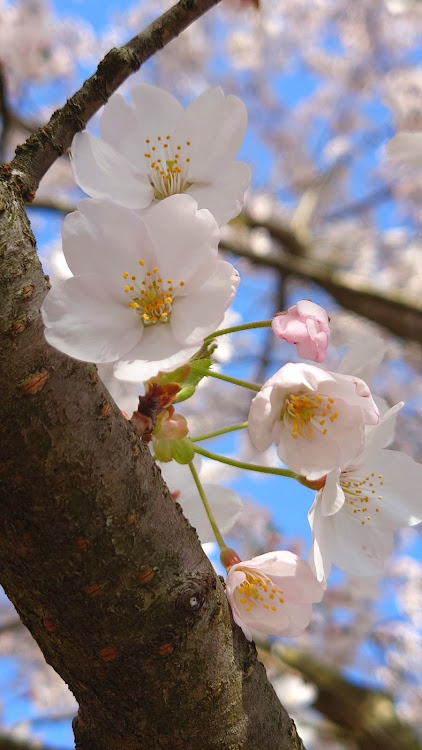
(316, 418)
(306, 325)
(406, 148)
(273, 594)
(154, 148)
(145, 291)
(358, 508)
(224, 502)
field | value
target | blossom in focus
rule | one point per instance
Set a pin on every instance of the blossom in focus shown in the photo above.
(273, 594)
(306, 325)
(154, 148)
(406, 148)
(357, 510)
(225, 504)
(315, 418)
(145, 291)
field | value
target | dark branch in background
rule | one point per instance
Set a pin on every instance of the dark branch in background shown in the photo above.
(280, 303)
(4, 115)
(9, 743)
(382, 194)
(368, 716)
(35, 157)
(393, 311)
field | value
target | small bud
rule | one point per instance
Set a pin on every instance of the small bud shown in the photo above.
(229, 557)
(182, 451)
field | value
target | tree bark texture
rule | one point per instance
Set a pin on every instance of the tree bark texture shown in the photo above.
(99, 560)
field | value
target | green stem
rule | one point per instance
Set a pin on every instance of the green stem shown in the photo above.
(216, 530)
(235, 381)
(249, 467)
(223, 431)
(243, 327)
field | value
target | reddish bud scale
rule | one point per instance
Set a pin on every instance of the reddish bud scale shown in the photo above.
(106, 410)
(166, 649)
(108, 654)
(229, 557)
(82, 544)
(34, 382)
(18, 326)
(49, 625)
(94, 589)
(27, 291)
(146, 576)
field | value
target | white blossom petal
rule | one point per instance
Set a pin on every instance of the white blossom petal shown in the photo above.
(157, 351)
(213, 149)
(332, 495)
(119, 127)
(224, 197)
(102, 172)
(199, 314)
(85, 320)
(359, 549)
(192, 235)
(104, 238)
(157, 112)
(321, 554)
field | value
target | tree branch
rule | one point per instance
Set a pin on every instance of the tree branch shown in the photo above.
(98, 559)
(40, 151)
(393, 311)
(368, 715)
(10, 743)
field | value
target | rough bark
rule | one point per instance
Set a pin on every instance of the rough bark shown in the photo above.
(98, 559)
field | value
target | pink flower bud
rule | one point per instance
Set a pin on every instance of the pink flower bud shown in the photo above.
(305, 325)
(174, 428)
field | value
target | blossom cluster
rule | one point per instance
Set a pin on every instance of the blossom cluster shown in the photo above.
(147, 293)
(148, 283)
(327, 428)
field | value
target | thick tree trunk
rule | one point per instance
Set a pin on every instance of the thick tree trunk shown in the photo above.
(98, 559)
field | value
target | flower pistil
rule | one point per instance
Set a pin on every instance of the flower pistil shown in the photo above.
(258, 591)
(304, 412)
(153, 300)
(167, 166)
(361, 495)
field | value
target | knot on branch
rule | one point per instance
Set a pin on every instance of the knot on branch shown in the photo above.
(192, 595)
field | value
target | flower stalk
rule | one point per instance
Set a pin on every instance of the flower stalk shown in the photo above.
(223, 431)
(216, 530)
(243, 327)
(249, 467)
(234, 381)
